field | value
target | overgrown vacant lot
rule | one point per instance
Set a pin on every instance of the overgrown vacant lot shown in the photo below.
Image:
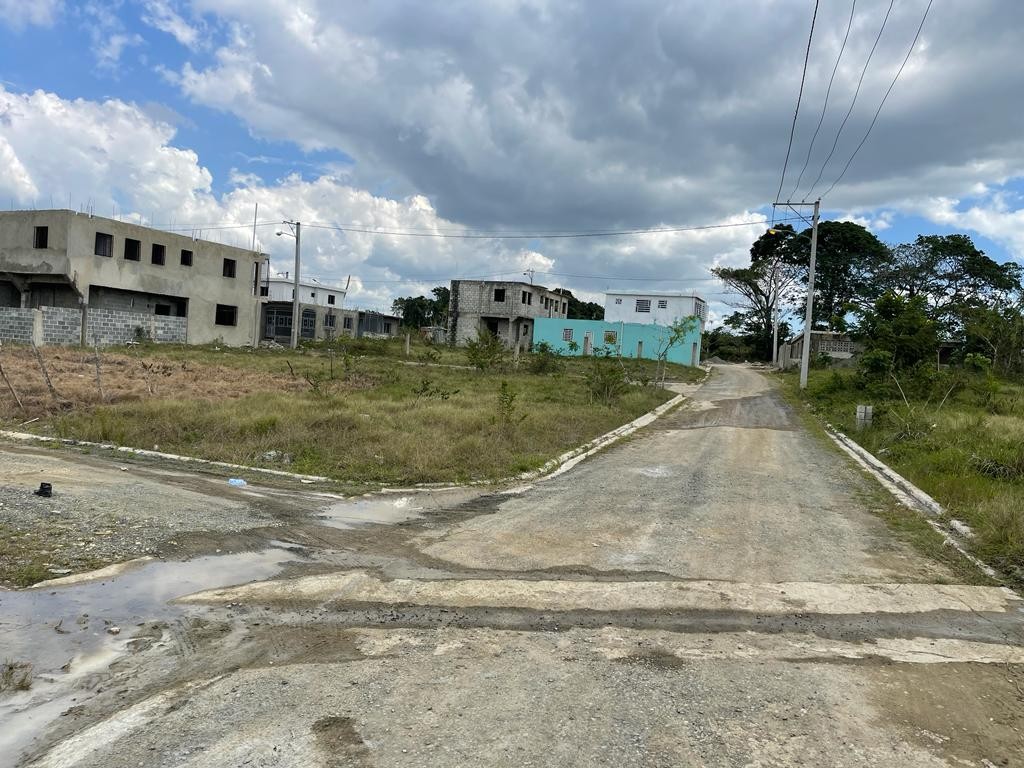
(358, 412)
(967, 450)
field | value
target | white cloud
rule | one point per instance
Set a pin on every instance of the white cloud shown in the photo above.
(109, 37)
(18, 14)
(162, 15)
(994, 218)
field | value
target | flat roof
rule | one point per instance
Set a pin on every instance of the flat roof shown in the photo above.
(303, 283)
(673, 294)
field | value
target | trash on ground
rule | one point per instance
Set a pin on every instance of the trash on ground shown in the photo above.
(237, 482)
(45, 490)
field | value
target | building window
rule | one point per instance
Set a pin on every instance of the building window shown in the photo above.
(567, 334)
(499, 295)
(643, 305)
(162, 309)
(264, 290)
(132, 249)
(186, 258)
(104, 244)
(346, 323)
(662, 303)
(42, 235)
(312, 294)
(563, 307)
(226, 315)
(229, 269)
(611, 337)
(618, 301)
(387, 327)
(157, 254)
(330, 299)
(328, 321)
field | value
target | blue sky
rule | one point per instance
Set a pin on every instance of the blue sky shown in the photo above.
(523, 116)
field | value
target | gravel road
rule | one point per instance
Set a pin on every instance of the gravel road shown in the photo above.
(715, 591)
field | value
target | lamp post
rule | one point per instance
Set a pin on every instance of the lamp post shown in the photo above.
(296, 232)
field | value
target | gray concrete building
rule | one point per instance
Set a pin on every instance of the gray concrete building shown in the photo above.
(506, 309)
(74, 278)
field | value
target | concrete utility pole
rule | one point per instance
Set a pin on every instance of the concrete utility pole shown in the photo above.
(297, 311)
(805, 350)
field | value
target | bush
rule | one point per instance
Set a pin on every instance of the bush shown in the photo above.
(606, 380)
(486, 352)
(544, 360)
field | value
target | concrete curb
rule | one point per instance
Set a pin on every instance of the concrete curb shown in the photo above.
(912, 497)
(569, 459)
(29, 437)
(552, 468)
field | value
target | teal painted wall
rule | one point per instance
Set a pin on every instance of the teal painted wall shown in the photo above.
(628, 337)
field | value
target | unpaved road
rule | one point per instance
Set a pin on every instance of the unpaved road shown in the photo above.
(715, 591)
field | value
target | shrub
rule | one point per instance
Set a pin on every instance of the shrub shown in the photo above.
(544, 360)
(485, 352)
(606, 380)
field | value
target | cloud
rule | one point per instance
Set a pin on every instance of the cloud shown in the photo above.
(108, 34)
(18, 14)
(993, 217)
(530, 113)
(162, 15)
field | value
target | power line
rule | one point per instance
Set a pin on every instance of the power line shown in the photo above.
(799, 96)
(824, 108)
(886, 96)
(853, 103)
(531, 235)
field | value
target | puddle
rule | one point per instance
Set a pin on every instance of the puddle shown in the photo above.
(349, 514)
(83, 613)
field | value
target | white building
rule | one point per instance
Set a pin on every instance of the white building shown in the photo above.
(310, 292)
(320, 306)
(653, 307)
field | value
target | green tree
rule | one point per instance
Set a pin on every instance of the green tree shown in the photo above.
(847, 258)
(420, 311)
(580, 310)
(900, 329)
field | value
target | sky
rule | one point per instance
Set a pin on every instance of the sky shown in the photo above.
(522, 117)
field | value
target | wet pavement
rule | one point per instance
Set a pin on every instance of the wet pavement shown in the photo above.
(668, 602)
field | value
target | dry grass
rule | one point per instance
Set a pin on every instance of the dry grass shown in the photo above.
(374, 420)
(15, 676)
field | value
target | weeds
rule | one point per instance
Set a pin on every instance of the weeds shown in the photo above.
(486, 352)
(15, 676)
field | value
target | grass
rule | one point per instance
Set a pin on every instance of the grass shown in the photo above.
(15, 676)
(354, 412)
(966, 451)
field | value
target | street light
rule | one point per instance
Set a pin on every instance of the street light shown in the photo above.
(296, 232)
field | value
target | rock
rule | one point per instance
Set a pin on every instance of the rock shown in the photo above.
(113, 630)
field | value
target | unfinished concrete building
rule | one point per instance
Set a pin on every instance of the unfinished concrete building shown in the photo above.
(74, 278)
(506, 309)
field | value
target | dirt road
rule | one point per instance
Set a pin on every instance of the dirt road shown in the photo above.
(715, 591)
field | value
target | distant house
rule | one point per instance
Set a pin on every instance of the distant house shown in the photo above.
(320, 306)
(657, 308)
(638, 340)
(837, 346)
(507, 309)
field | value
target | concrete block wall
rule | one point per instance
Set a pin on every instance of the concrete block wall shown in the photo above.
(60, 325)
(16, 324)
(115, 326)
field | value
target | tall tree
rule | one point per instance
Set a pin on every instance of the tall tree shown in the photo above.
(764, 287)
(848, 256)
(420, 311)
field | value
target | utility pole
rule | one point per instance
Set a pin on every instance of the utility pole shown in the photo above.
(805, 349)
(296, 310)
(529, 273)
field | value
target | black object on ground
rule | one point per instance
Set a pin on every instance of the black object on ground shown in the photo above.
(45, 490)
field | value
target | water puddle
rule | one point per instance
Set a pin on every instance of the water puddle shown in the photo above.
(382, 510)
(69, 632)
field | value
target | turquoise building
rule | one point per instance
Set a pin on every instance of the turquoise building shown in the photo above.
(644, 340)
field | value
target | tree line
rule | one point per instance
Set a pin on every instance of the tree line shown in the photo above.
(422, 311)
(903, 302)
